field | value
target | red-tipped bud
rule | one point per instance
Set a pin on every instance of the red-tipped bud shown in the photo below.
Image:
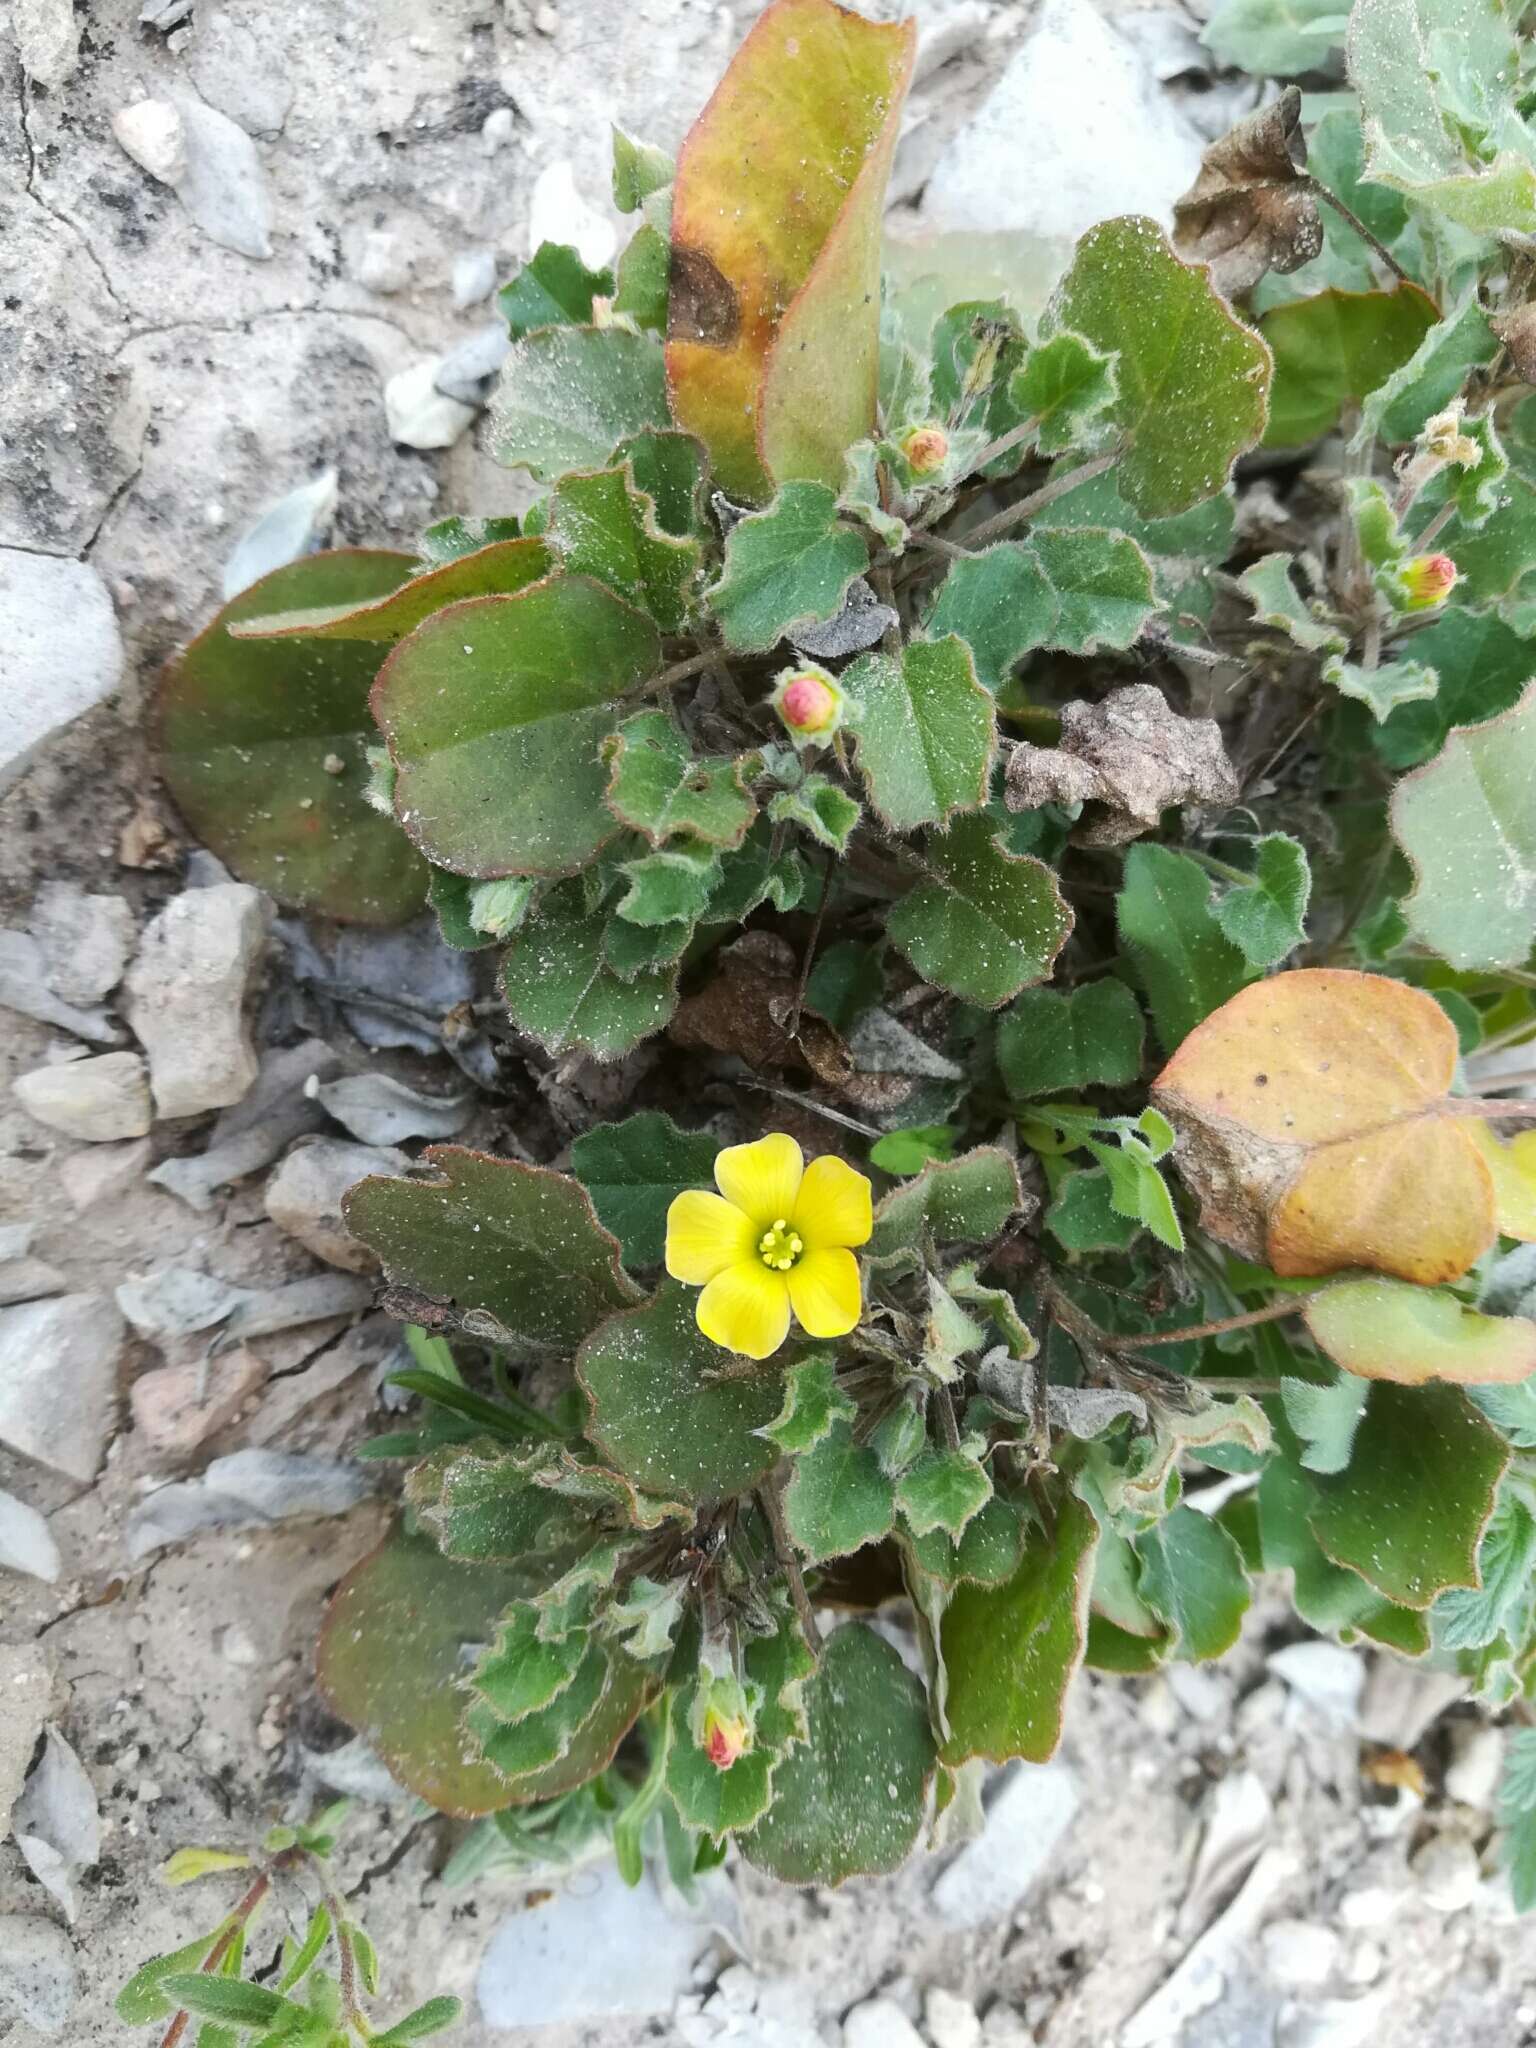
(722, 1719)
(926, 449)
(810, 704)
(1426, 582)
(725, 1741)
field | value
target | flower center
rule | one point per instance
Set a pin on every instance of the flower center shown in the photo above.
(779, 1247)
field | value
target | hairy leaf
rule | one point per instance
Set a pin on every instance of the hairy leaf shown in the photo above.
(926, 732)
(1060, 1041)
(1333, 348)
(788, 566)
(969, 1199)
(569, 395)
(1386, 1330)
(1168, 926)
(565, 987)
(634, 1170)
(601, 525)
(657, 785)
(985, 923)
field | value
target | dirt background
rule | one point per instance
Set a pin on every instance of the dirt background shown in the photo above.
(157, 391)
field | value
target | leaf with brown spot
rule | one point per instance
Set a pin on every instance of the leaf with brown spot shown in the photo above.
(1313, 1124)
(773, 315)
(1252, 208)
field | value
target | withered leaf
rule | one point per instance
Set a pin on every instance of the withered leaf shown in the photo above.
(1517, 331)
(1134, 755)
(1313, 1124)
(1252, 208)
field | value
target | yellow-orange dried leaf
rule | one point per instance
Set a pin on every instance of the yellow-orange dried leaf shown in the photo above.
(1313, 1124)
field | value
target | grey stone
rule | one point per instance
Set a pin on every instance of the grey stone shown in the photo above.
(103, 1173)
(24, 987)
(248, 1489)
(1324, 1675)
(26, 1543)
(186, 997)
(85, 940)
(1300, 1955)
(47, 38)
(1027, 1816)
(602, 1950)
(153, 133)
(304, 1197)
(474, 277)
(1332, 2023)
(379, 1110)
(256, 1130)
(465, 372)
(58, 1380)
(63, 652)
(281, 533)
(178, 1301)
(1401, 1700)
(949, 2020)
(39, 1978)
(237, 71)
(225, 188)
(57, 1820)
(879, 2023)
(1445, 1869)
(95, 1100)
(1075, 130)
(29, 1280)
(26, 1696)
(419, 415)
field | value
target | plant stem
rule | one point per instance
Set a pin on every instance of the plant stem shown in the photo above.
(680, 671)
(789, 1564)
(1320, 191)
(1437, 525)
(1026, 508)
(1276, 1312)
(1493, 1105)
(1006, 443)
(220, 1950)
(809, 958)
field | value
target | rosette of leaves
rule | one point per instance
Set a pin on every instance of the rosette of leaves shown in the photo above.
(1154, 900)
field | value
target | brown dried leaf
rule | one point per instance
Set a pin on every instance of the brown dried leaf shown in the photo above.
(1252, 208)
(1517, 331)
(1133, 754)
(746, 1008)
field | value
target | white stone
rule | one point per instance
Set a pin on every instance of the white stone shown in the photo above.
(383, 262)
(63, 652)
(152, 133)
(48, 39)
(496, 130)
(1402, 1700)
(58, 1380)
(187, 992)
(241, 73)
(1300, 1955)
(558, 213)
(304, 1197)
(880, 2023)
(1446, 1871)
(103, 1174)
(225, 188)
(85, 940)
(1331, 2023)
(26, 1542)
(26, 1694)
(1473, 1776)
(419, 415)
(1366, 1964)
(1372, 1905)
(1074, 131)
(949, 2020)
(474, 277)
(463, 372)
(39, 1977)
(1328, 1678)
(593, 1950)
(1026, 1818)
(289, 527)
(94, 1100)
(1005, 2028)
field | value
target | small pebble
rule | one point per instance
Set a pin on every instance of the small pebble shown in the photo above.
(1447, 1874)
(949, 2020)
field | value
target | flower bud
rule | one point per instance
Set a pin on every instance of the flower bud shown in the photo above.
(1442, 438)
(926, 449)
(722, 1720)
(810, 704)
(1425, 582)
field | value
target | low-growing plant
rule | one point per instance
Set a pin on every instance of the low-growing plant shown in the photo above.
(912, 711)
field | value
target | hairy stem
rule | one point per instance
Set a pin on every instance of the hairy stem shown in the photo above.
(1026, 508)
(215, 1956)
(784, 1550)
(1320, 191)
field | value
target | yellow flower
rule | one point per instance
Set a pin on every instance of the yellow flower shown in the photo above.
(775, 1238)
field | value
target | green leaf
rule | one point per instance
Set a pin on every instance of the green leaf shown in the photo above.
(1266, 919)
(788, 566)
(1275, 38)
(669, 887)
(1011, 1651)
(1324, 1417)
(1192, 1575)
(813, 1402)
(639, 169)
(986, 1555)
(1276, 602)
(186, 1866)
(427, 2019)
(1060, 1041)
(985, 923)
(569, 395)
(1103, 587)
(542, 1738)
(1399, 406)
(264, 748)
(601, 525)
(663, 1411)
(1168, 926)
(519, 1242)
(670, 468)
(1137, 1190)
(926, 732)
(909, 1151)
(1067, 385)
(482, 1504)
(1517, 1817)
(1469, 1618)
(563, 987)
(1083, 1217)
(519, 1675)
(496, 571)
(1437, 86)
(860, 495)
(838, 1499)
(554, 288)
(634, 1171)
(142, 1999)
(1393, 1330)
(1333, 348)
(829, 814)
(1382, 689)
(1409, 1512)
(755, 874)
(214, 1997)
(1467, 824)
(706, 1797)
(451, 538)
(850, 1801)
(1000, 603)
(969, 1199)
(659, 787)
(943, 1490)
(1193, 380)
(495, 711)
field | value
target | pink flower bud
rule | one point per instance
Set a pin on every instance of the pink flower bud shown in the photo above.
(809, 703)
(725, 1739)
(926, 449)
(1426, 581)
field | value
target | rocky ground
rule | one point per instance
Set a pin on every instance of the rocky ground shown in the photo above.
(249, 250)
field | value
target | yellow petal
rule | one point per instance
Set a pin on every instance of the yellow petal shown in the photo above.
(746, 1308)
(763, 1178)
(705, 1235)
(826, 1293)
(834, 1206)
